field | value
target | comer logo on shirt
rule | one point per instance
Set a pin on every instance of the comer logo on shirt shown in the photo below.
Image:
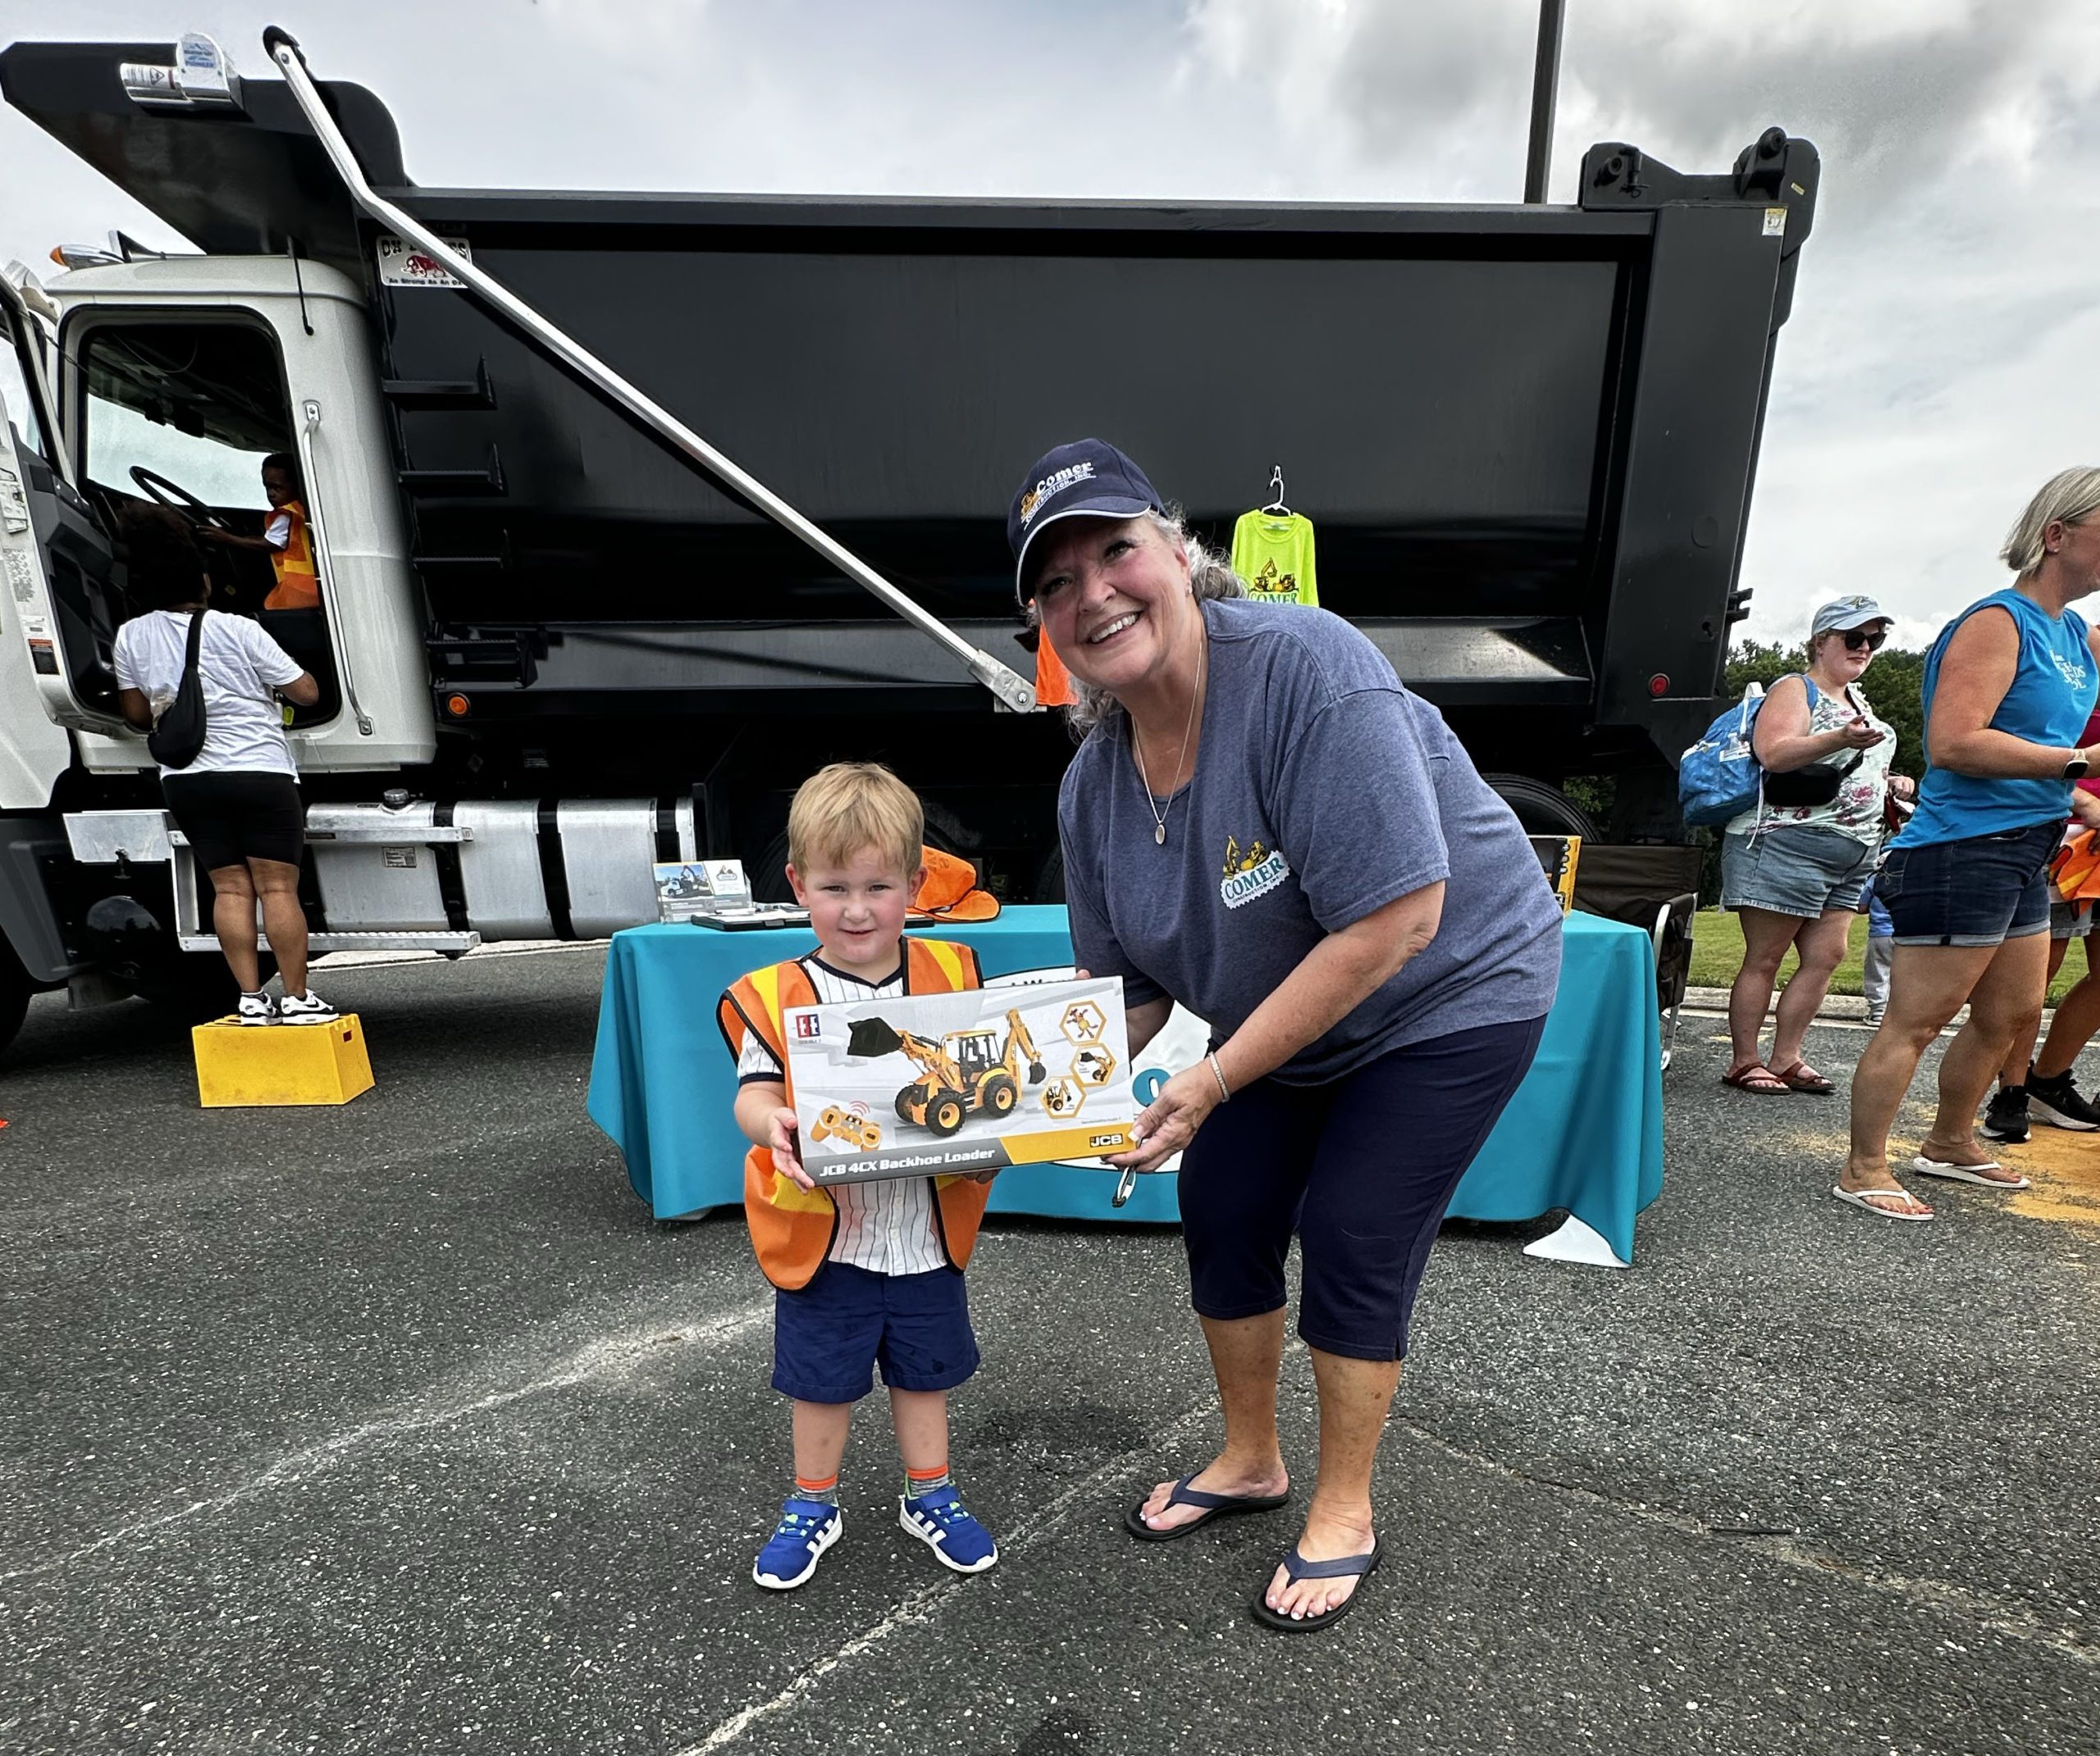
(1254, 873)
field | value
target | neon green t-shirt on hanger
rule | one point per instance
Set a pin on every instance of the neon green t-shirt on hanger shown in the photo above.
(1273, 553)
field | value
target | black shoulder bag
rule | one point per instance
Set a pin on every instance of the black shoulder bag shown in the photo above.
(178, 735)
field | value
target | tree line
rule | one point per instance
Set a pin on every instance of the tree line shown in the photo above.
(1893, 686)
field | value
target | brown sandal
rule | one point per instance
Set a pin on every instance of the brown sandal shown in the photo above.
(1801, 1077)
(1759, 1080)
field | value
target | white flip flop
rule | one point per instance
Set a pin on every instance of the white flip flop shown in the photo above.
(1858, 1198)
(1932, 1167)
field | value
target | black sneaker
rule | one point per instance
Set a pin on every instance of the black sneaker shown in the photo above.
(2007, 1117)
(2056, 1101)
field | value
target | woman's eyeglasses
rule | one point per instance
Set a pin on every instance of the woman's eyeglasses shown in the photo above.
(1858, 640)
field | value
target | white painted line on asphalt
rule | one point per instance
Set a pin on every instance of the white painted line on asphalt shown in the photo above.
(611, 1357)
(921, 1605)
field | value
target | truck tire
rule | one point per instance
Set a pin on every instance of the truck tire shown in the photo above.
(1050, 877)
(1541, 809)
(15, 991)
(999, 1094)
(194, 987)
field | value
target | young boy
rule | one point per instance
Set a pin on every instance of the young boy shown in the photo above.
(865, 1272)
(283, 537)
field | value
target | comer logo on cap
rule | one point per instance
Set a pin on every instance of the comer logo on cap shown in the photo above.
(1088, 478)
(1032, 501)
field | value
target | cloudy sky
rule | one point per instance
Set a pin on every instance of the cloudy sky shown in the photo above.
(1945, 347)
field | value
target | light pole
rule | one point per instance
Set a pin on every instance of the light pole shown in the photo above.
(1546, 78)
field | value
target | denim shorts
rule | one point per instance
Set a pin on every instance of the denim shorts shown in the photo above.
(1796, 869)
(2069, 920)
(1981, 891)
(828, 1336)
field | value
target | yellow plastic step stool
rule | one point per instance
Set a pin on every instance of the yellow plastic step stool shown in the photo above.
(251, 1065)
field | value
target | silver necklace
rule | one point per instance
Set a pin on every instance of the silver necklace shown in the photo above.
(1159, 817)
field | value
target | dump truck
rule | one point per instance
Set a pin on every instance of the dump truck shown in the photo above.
(630, 510)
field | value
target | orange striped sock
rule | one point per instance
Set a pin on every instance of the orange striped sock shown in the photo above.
(817, 1488)
(917, 1482)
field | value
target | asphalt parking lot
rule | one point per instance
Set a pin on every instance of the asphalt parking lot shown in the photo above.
(402, 1427)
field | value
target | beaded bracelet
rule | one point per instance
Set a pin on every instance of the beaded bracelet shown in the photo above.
(1223, 1091)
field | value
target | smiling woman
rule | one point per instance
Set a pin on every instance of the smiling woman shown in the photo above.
(1263, 824)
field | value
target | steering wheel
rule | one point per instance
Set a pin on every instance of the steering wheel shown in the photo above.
(156, 486)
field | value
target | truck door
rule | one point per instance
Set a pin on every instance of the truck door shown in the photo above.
(190, 409)
(64, 602)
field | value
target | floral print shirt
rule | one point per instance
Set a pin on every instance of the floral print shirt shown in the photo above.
(1856, 811)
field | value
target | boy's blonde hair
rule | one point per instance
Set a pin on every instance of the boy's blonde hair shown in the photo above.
(849, 807)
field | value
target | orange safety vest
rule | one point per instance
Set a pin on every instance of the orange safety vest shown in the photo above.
(792, 1227)
(298, 586)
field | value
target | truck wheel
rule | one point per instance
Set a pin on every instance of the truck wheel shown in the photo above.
(1050, 877)
(999, 1094)
(1541, 809)
(15, 991)
(944, 1115)
(907, 1104)
(194, 987)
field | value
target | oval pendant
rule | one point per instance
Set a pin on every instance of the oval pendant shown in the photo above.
(1159, 834)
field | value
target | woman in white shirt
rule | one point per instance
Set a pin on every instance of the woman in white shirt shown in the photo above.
(238, 803)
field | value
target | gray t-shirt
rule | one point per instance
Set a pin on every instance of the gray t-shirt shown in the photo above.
(1323, 790)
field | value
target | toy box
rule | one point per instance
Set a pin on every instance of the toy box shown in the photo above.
(936, 1084)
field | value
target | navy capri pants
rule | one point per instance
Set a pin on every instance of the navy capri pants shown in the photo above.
(1362, 1167)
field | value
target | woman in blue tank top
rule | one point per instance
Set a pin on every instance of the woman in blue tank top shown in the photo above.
(2008, 687)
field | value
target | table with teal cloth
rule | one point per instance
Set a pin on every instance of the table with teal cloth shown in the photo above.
(1584, 1132)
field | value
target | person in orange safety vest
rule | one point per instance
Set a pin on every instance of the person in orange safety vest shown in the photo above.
(284, 538)
(864, 1273)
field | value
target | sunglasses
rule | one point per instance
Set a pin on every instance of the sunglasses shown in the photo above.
(1855, 640)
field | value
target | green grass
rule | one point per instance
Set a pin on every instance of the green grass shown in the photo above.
(1717, 955)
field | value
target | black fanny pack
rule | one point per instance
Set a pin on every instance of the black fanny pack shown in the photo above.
(1816, 784)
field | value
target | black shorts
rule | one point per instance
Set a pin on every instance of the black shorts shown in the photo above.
(1362, 1167)
(230, 818)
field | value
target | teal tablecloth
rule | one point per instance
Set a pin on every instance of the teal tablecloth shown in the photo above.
(1584, 1132)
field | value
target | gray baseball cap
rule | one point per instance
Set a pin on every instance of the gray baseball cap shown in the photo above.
(1841, 613)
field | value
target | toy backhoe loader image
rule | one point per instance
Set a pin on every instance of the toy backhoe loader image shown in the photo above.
(966, 1071)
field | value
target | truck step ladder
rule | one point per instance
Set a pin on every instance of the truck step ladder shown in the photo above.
(316, 943)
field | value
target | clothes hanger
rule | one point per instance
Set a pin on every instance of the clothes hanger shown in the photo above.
(1276, 481)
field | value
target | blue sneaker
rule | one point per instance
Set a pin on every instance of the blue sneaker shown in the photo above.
(957, 1540)
(807, 1528)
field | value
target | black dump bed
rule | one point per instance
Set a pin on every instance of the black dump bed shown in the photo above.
(1526, 436)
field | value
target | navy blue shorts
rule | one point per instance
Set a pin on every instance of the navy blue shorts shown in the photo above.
(1362, 1167)
(829, 1337)
(1983, 890)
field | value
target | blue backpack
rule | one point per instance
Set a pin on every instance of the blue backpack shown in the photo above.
(1720, 778)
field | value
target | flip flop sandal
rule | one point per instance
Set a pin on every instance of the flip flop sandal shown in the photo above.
(1747, 1080)
(1932, 1167)
(1858, 1198)
(1298, 1567)
(1214, 1506)
(1801, 1077)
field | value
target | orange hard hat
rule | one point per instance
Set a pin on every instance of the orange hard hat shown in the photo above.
(949, 891)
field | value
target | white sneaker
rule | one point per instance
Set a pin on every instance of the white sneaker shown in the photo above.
(308, 1008)
(256, 1009)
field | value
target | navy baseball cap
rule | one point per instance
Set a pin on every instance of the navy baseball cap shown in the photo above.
(1088, 478)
